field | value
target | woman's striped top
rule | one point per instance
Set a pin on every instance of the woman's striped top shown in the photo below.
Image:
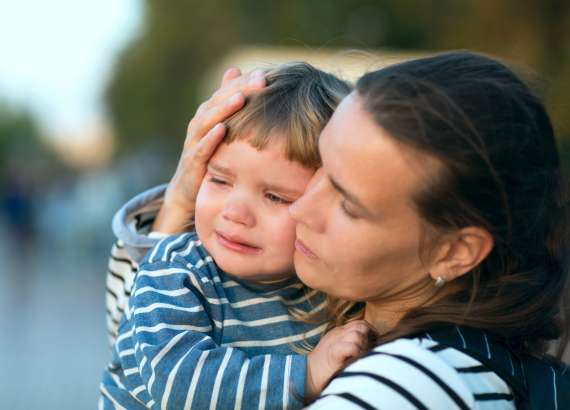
(416, 374)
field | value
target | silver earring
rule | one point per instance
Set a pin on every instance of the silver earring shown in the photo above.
(439, 282)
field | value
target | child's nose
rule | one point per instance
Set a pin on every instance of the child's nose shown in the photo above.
(238, 211)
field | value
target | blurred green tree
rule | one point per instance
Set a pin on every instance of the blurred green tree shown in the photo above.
(20, 140)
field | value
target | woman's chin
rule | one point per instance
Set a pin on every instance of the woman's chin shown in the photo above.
(308, 271)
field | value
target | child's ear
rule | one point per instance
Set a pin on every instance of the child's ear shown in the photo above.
(460, 252)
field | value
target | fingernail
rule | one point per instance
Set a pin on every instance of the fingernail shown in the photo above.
(217, 128)
(235, 98)
(256, 76)
(230, 70)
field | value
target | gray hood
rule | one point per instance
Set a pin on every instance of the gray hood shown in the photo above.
(133, 222)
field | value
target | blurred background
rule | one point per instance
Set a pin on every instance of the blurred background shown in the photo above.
(95, 97)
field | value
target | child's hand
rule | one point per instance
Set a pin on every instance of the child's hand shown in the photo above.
(205, 131)
(334, 349)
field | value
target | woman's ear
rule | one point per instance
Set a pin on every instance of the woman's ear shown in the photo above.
(461, 252)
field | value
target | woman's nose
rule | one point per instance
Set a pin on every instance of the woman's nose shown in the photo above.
(309, 209)
(237, 210)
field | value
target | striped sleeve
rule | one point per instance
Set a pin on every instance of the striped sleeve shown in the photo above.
(173, 331)
(397, 375)
(120, 273)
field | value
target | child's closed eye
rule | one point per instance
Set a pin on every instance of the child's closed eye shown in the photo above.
(277, 199)
(215, 180)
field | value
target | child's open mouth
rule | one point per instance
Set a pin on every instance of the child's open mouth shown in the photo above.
(236, 244)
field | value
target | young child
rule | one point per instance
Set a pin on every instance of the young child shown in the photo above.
(212, 319)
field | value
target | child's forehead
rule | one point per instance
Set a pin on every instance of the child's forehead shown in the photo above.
(269, 164)
(260, 133)
(273, 151)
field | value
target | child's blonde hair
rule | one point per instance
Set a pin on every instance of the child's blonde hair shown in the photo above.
(295, 106)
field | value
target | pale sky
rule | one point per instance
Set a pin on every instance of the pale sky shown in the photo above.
(56, 56)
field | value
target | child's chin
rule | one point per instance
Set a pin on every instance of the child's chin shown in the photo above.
(238, 270)
(241, 271)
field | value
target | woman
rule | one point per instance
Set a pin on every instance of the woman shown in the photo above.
(439, 208)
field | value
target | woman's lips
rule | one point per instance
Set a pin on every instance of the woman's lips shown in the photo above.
(302, 248)
(235, 244)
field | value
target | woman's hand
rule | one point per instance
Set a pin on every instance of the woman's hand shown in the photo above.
(205, 131)
(332, 352)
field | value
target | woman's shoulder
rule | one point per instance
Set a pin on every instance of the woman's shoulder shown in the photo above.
(415, 373)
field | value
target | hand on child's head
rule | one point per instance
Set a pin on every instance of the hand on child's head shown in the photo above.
(204, 133)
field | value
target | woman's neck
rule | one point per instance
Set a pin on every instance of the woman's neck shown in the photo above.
(382, 317)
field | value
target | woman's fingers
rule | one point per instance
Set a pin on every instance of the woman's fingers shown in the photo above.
(203, 135)
(205, 121)
(245, 84)
(230, 74)
(206, 146)
(225, 101)
(180, 197)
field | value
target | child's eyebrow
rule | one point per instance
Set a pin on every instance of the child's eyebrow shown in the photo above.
(282, 189)
(219, 168)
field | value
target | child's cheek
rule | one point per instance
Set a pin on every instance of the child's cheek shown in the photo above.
(204, 202)
(286, 235)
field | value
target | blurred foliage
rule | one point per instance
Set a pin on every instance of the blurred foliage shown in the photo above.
(20, 141)
(153, 92)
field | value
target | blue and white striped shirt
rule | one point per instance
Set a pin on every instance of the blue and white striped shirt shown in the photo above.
(194, 337)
